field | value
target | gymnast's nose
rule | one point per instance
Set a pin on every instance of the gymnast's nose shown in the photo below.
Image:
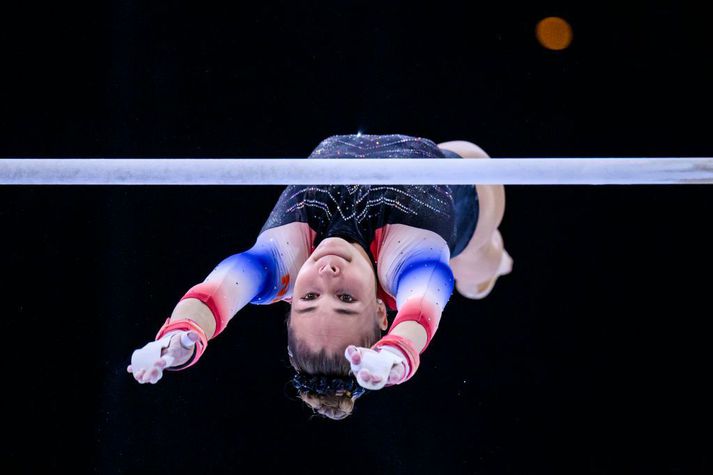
(329, 269)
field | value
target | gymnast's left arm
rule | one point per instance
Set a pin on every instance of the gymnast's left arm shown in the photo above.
(262, 274)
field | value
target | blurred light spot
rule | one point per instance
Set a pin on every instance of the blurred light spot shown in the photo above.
(554, 33)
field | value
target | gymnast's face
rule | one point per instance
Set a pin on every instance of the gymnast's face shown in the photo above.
(334, 299)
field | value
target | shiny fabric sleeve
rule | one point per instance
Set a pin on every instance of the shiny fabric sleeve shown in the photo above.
(413, 266)
(262, 275)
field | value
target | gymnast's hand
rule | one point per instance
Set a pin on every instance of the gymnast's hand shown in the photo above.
(173, 349)
(375, 369)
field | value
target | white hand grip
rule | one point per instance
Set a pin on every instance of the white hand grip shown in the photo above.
(146, 357)
(187, 342)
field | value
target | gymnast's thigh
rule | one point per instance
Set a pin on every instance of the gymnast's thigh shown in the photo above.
(491, 200)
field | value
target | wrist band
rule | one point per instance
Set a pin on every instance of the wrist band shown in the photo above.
(185, 324)
(421, 311)
(205, 295)
(406, 347)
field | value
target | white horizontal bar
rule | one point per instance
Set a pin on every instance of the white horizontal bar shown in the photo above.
(354, 171)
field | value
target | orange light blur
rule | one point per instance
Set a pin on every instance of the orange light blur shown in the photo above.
(554, 33)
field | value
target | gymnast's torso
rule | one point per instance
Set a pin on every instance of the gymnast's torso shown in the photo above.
(441, 218)
(409, 231)
(356, 212)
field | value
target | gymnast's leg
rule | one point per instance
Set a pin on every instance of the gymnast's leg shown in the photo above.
(484, 259)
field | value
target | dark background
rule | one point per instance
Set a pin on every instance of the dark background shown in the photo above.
(592, 356)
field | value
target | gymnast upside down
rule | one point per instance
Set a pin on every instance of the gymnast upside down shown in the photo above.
(343, 257)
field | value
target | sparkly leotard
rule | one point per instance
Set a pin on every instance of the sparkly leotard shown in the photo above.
(409, 232)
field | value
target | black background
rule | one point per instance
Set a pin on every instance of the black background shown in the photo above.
(592, 356)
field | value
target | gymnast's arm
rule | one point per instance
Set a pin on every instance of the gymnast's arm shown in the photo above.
(260, 275)
(201, 315)
(423, 289)
(414, 332)
(413, 267)
(231, 285)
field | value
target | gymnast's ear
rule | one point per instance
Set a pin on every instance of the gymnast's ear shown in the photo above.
(381, 314)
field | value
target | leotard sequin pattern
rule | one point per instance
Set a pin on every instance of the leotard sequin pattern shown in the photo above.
(409, 232)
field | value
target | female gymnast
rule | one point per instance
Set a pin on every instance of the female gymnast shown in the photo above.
(343, 257)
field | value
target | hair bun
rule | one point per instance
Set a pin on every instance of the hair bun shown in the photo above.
(327, 385)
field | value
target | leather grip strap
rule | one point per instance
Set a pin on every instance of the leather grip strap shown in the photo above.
(406, 347)
(186, 324)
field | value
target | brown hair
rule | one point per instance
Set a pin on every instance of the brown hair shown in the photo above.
(304, 360)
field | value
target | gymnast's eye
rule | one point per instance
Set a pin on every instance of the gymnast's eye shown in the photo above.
(343, 297)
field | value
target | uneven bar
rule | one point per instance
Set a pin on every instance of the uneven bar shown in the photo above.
(355, 171)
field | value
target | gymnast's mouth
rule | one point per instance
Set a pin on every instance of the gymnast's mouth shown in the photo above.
(332, 248)
(319, 254)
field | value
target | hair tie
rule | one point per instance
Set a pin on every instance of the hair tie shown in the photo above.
(327, 385)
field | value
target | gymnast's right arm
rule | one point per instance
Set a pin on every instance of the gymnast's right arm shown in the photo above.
(260, 275)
